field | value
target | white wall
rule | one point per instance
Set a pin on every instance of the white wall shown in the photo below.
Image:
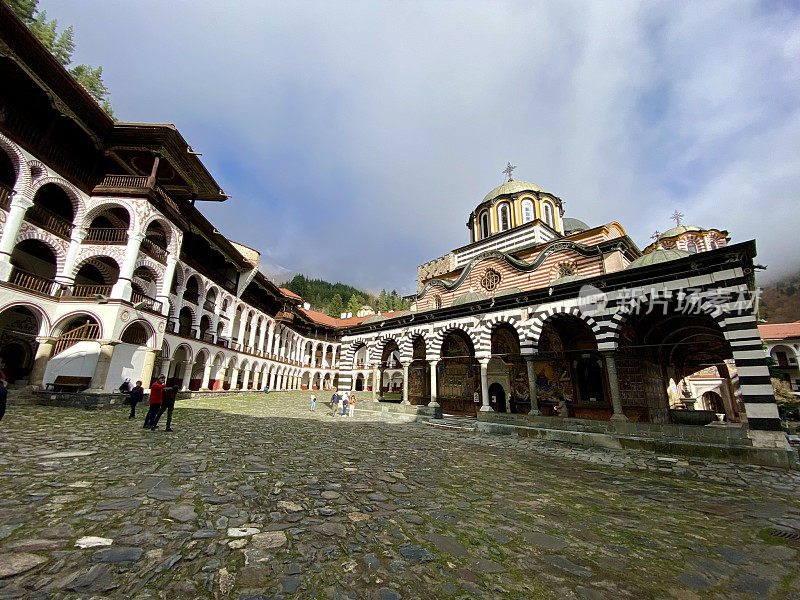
(76, 361)
(127, 362)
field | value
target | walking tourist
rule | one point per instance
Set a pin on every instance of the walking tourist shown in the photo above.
(3, 397)
(334, 403)
(167, 405)
(345, 402)
(313, 402)
(135, 396)
(156, 396)
(352, 406)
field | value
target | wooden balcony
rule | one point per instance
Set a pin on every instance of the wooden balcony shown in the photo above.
(32, 282)
(106, 235)
(89, 331)
(90, 291)
(155, 251)
(208, 305)
(47, 219)
(142, 301)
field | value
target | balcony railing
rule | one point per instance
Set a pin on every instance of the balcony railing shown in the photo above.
(207, 337)
(106, 235)
(90, 291)
(47, 219)
(145, 301)
(208, 305)
(190, 296)
(5, 197)
(152, 249)
(89, 331)
(31, 282)
(124, 181)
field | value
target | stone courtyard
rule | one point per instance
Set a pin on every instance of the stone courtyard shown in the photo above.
(260, 498)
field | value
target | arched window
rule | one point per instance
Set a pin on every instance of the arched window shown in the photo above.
(527, 211)
(691, 246)
(504, 217)
(712, 243)
(484, 220)
(547, 213)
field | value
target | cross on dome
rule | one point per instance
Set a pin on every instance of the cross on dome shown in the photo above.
(655, 235)
(677, 216)
(509, 170)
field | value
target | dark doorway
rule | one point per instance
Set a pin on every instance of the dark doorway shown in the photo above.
(591, 386)
(497, 397)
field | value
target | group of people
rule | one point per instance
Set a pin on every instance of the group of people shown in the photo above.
(162, 400)
(347, 401)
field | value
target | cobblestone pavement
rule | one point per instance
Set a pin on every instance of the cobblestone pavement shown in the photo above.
(257, 498)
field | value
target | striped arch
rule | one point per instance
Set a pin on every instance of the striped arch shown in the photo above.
(180, 276)
(72, 193)
(151, 338)
(37, 169)
(21, 168)
(190, 307)
(381, 343)
(201, 283)
(435, 349)
(34, 233)
(610, 337)
(55, 330)
(531, 340)
(104, 204)
(172, 232)
(155, 268)
(108, 275)
(484, 345)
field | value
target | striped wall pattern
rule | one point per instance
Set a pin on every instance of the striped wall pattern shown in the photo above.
(739, 329)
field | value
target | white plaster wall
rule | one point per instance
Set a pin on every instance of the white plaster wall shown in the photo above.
(77, 361)
(127, 362)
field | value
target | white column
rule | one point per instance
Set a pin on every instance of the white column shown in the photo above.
(219, 378)
(122, 289)
(76, 238)
(103, 364)
(234, 377)
(273, 379)
(252, 341)
(246, 378)
(405, 383)
(434, 392)
(19, 205)
(187, 375)
(485, 406)
(166, 285)
(240, 335)
(261, 333)
(206, 375)
(270, 335)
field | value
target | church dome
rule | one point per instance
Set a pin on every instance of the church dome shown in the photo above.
(658, 256)
(512, 187)
(679, 230)
(571, 225)
(469, 297)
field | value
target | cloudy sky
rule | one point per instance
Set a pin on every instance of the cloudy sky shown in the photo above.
(356, 137)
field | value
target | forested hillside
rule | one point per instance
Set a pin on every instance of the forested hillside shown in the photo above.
(337, 298)
(780, 301)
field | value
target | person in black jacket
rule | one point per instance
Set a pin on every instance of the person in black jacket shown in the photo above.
(134, 397)
(167, 406)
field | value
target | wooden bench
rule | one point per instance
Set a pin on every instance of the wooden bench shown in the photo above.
(69, 383)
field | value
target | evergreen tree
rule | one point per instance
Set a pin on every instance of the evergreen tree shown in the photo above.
(383, 305)
(354, 304)
(61, 47)
(337, 306)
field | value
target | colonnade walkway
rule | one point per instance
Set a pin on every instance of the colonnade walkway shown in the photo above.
(261, 496)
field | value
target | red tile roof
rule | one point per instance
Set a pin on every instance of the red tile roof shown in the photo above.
(289, 293)
(779, 331)
(333, 322)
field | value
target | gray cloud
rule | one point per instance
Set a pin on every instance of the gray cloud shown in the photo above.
(357, 137)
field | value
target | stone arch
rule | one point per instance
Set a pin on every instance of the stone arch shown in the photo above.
(535, 329)
(23, 175)
(169, 228)
(187, 349)
(484, 344)
(58, 326)
(150, 342)
(105, 204)
(37, 170)
(70, 190)
(33, 233)
(42, 317)
(435, 349)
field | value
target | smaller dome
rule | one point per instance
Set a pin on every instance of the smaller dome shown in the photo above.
(375, 319)
(657, 256)
(508, 292)
(679, 230)
(469, 298)
(571, 225)
(567, 279)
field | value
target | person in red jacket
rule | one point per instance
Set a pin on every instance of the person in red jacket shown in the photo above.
(156, 396)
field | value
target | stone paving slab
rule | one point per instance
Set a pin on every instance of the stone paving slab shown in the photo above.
(257, 497)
